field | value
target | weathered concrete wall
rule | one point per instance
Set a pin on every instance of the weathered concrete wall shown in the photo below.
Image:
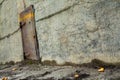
(10, 46)
(76, 30)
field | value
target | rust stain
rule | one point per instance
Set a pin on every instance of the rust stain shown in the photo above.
(27, 16)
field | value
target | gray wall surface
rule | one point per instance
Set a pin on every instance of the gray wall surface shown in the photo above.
(68, 30)
(10, 46)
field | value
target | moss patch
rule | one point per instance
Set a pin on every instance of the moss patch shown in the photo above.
(95, 63)
(29, 62)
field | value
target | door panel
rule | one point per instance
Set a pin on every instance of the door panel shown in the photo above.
(29, 37)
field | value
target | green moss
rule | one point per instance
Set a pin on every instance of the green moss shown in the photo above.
(50, 63)
(95, 63)
(29, 62)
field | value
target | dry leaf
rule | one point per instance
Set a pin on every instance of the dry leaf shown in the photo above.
(101, 69)
(4, 78)
(76, 75)
(14, 69)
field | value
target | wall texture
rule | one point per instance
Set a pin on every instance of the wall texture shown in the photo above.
(10, 35)
(68, 30)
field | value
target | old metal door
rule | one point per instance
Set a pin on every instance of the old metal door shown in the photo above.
(29, 36)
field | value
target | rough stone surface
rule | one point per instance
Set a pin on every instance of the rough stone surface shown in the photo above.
(76, 30)
(10, 46)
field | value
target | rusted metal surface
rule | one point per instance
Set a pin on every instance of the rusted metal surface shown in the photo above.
(27, 24)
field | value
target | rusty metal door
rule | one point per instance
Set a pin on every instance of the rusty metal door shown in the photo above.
(29, 35)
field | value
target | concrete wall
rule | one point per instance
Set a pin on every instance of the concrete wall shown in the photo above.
(10, 46)
(74, 30)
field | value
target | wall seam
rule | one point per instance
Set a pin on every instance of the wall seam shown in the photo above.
(58, 12)
(9, 35)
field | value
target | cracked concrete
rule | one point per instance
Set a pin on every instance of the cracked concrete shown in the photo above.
(2, 1)
(74, 31)
(58, 12)
(10, 35)
(80, 33)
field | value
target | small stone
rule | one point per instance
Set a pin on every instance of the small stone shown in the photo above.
(76, 75)
(101, 69)
(14, 69)
(4, 78)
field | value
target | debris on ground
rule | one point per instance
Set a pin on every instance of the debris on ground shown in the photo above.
(14, 69)
(101, 69)
(4, 78)
(36, 71)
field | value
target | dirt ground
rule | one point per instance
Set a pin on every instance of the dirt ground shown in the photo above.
(38, 71)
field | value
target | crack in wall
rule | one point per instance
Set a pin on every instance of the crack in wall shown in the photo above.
(58, 12)
(2, 2)
(9, 35)
(46, 17)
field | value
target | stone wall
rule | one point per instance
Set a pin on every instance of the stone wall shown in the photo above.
(74, 30)
(10, 35)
